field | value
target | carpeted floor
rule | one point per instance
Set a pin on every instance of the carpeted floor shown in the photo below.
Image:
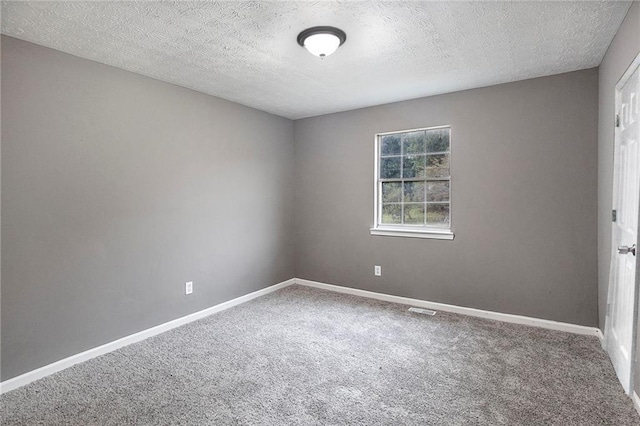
(307, 357)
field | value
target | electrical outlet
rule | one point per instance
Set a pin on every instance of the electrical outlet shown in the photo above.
(188, 288)
(377, 271)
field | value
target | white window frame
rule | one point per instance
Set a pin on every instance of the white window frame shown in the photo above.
(411, 231)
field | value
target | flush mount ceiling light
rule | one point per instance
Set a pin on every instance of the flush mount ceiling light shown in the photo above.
(321, 41)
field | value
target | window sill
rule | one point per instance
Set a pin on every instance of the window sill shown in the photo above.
(436, 234)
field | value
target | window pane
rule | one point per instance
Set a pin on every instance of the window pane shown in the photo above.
(390, 145)
(414, 192)
(438, 140)
(391, 192)
(438, 214)
(390, 168)
(438, 191)
(391, 213)
(414, 178)
(413, 166)
(414, 214)
(438, 165)
(414, 142)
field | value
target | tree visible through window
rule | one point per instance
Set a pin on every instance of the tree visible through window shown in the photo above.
(413, 182)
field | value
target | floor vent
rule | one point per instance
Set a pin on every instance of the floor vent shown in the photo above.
(422, 311)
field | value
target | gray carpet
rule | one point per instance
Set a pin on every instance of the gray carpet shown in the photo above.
(306, 357)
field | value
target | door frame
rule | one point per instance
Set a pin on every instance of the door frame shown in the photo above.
(633, 66)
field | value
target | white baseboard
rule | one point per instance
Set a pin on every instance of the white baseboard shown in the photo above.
(636, 402)
(516, 319)
(47, 370)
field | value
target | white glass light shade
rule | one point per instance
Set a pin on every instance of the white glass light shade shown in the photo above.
(322, 41)
(322, 45)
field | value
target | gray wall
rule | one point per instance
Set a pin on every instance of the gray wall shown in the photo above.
(622, 51)
(524, 177)
(116, 190)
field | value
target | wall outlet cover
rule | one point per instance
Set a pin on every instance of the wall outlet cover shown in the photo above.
(188, 288)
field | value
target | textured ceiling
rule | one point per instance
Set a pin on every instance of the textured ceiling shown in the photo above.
(246, 51)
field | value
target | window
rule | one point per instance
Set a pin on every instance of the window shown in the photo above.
(413, 183)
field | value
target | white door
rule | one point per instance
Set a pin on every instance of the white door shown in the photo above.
(621, 304)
